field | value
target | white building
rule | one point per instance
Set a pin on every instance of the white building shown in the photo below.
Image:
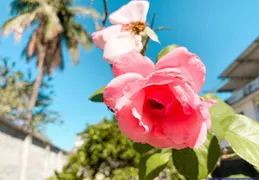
(78, 142)
(243, 82)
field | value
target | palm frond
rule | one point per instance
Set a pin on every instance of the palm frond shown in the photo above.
(32, 45)
(31, 48)
(74, 51)
(23, 6)
(52, 26)
(82, 36)
(19, 22)
(74, 35)
(85, 11)
(53, 55)
(72, 45)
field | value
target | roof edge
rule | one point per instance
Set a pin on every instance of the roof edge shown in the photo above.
(225, 73)
(8, 122)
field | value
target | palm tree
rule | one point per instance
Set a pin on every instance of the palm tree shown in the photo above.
(55, 21)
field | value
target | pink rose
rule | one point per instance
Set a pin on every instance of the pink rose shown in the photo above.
(158, 104)
(124, 36)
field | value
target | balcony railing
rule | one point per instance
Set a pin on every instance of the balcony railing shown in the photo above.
(243, 92)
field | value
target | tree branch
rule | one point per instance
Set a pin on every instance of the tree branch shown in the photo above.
(162, 28)
(105, 13)
(105, 16)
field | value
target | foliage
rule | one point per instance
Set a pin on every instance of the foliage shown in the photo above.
(152, 164)
(55, 21)
(219, 112)
(15, 90)
(97, 96)
(165, 51)
(198, 163)
(105, 150)
(242, 134)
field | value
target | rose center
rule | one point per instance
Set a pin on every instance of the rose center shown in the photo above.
(135, 27)
(156, 105)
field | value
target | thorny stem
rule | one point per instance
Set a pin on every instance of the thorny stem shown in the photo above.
(147, 38)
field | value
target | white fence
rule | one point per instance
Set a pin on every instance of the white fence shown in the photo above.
(38, 163)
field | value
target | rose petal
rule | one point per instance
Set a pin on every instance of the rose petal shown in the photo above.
(157, 138)
(177, 124)
(129, 125)
(137, 104)
(181, 123)
(205, 111)
(163, 76)
(161, 94)
(185, 128)
(198, 139)
(121, 44)
(133, 62)
(160, 77)
(133, 11)
(100, 37)
(163, 142)
(186, 96)
(190, 64)
(151, 34)
(114, 90)
(120, 103)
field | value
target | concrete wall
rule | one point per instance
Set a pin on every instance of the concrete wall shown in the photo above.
(42, 160)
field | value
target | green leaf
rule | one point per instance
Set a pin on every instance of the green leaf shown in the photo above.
(165, 51)
(97, 96)
(238, 176)
(197, 163)
(242, 133)
(85, 11)
(218, 112)
(152, 164)
(142, 148)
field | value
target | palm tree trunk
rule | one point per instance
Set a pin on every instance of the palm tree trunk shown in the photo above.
(28, 116)
(36, 87)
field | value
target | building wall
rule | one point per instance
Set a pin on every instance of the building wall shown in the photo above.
(43, 159)
(248, 108)
(78, 143)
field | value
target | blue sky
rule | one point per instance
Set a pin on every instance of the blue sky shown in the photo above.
(217, 31)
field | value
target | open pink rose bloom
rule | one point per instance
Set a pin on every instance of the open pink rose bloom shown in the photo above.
(122, 37)
(158, 104)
